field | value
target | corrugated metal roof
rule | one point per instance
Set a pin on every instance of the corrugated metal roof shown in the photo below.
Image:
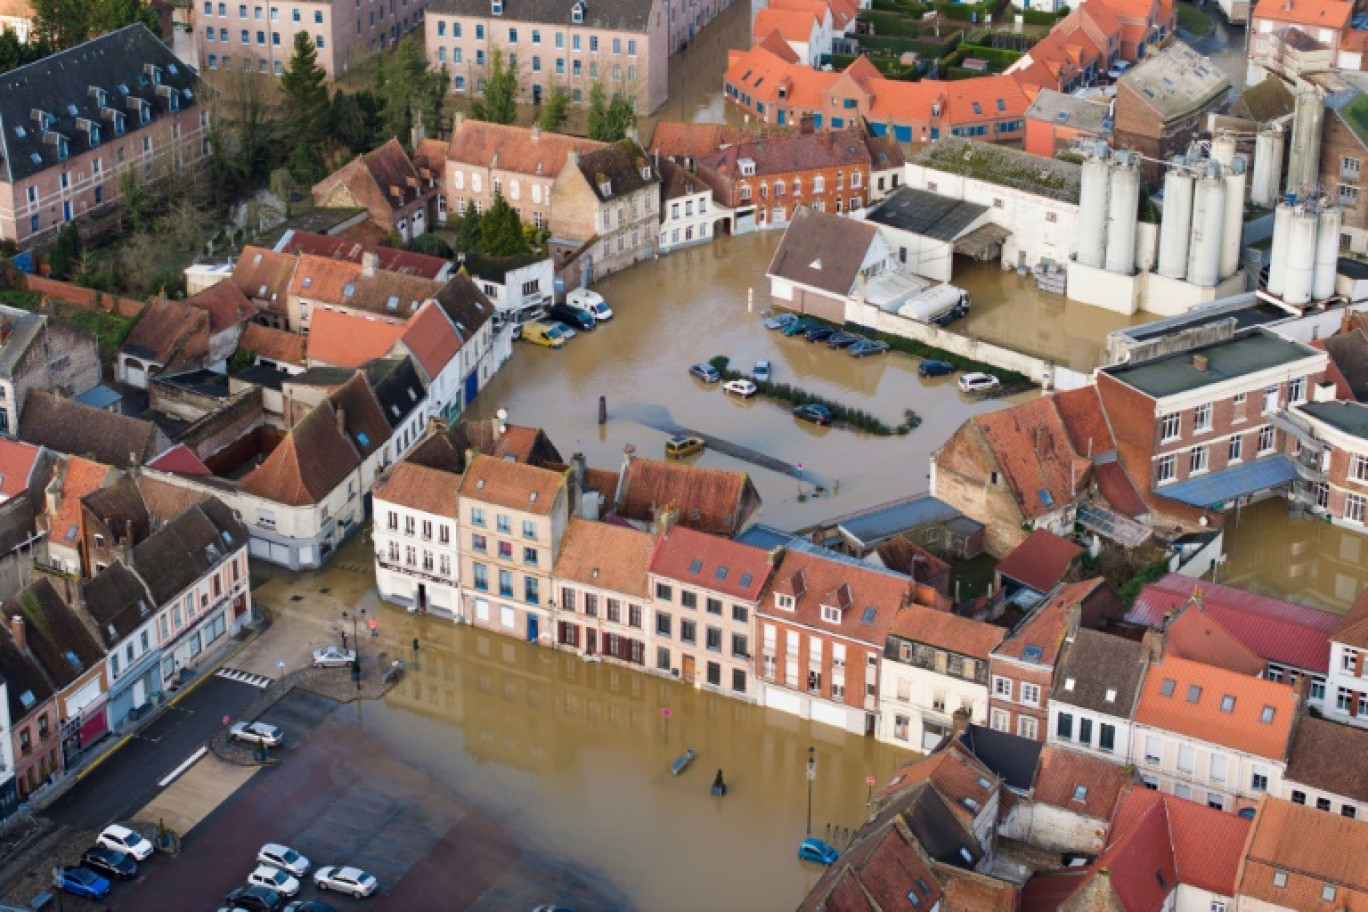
(1221, 487)
(925, 213)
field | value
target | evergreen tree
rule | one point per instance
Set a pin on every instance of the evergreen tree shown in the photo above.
(554, 109)
(67, 23)
(598, 112)
(499, 103)
(355, 119)
(66, 254)
(15, 53)
(468, 238)
(304, 84)
(400, 85)
(500, 230)
(432, 104)
(609, 121)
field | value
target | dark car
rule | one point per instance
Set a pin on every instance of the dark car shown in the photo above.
(817, 414)
(935, 368)
(819, 333)
(110, 863)
(800, 325)
(705, 372)
(573, 316)
(310, 905)
(255, 899)
(841, 340)
(866, 347)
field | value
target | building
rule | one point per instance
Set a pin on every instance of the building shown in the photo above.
(60, 514)
(1212, 735)
(806, 29)
(1288, 39)
(39, 353)
(1331, 454)
(417, 539)
(712, 586)
(1056, 122)
(927, 229)
(716, 501)
(623, 46)
(934, 671)
(113, 519)
(81, 119)
(1346, 690)
(17, 16)
(822, 262)
(1325, 768)
(602, 597)
(323, 283)
(386, 184)
(1071, 802)
(67, 426)
(606, 208)
(347, 339)
(170, 337)
(1299, 858)
(688, 210)
(520, 288)
(1160, 103)
(342, 33)
(120, 607)
(33, 719)
(1095, 690)
(1037, 565)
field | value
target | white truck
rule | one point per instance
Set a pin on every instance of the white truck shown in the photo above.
(590, 301)
(940, 305)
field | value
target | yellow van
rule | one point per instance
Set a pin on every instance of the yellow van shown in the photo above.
(542, 333)
(679, 446)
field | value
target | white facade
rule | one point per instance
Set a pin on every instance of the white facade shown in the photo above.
(811, 706)
(521, 292)
(1331, 802)
(688, 219)
(1199, 771)
(1088, 731)
(1346, 689)
(417, 558)
(917, 705)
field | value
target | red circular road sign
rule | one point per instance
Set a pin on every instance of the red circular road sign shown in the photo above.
(869, 781)
(665, 712)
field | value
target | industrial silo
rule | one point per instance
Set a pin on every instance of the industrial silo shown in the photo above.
(1303, 165)
(1092, 208)
(1301, 255)
(1208, 217)
(1176, 224)
(1223, 148)
(1232, 231)
(1282, 240)
(1268, 158)
(1122, 211)
(1327, 253)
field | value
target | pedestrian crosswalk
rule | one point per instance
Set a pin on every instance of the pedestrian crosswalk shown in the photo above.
(245, 677)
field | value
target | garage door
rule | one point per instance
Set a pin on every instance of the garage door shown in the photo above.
(784, 700)
(260, 548)
(828, 713)
(280, 554)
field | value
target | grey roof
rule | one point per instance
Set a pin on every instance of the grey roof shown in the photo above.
(768, 538)
(24, 328)
(615, 15)
(1177, 81)
(1096, 664)
(1329, 756)
(873, 526)
(262, 375)
(1349, 417)
(1066, 110)
(494, 269)
(118, 601)
(465, 305)
(942, 836)
(1255, 351)
(185, 549)
(100, 397)
(63, 85)
(996, 164)
(397, 385)
(623, 167)
(1210, 491)
(925, 213)
(322, 376)
(1012, 758)
(822, 251)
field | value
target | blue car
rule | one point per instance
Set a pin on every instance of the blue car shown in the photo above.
(935, 368)
(814, 850)
(800, 325)
(82, 882)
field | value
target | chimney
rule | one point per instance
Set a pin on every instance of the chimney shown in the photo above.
(627, 452)
(18, 632)
(665, 520)
(1199, 363)
(417, 133)
(457, 121)
(1153, 641)
(536, 132)
(632, 133)
(1198, 598)
(776, 554)
(1073, 616)
(959, 722)
(577, 464)
(369, 261)
(572, 158)
(469, 458)
(1323, 392)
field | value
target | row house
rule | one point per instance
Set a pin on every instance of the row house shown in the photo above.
(607, 207)
(60, 516)
(1326, 768)
(1297, 858)
(321, 283)
(1095, 691)
(1288, 38)
(1212, 735)
(689, 213)
(79, 124)
(39, 353)
(623, 47)
(1342, 156)
(513, 518)
(1079, 49)
(388, 186)
(934, 671)
(122, 610)
(823, 624)
(259, 37)
(1346, 689)
(520, 288)
(416, 538)
(32, 751)
(1328, 441)
(602, 603)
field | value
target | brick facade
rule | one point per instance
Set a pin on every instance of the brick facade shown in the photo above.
(1342, 163)
(966, 475)
(1019, 697)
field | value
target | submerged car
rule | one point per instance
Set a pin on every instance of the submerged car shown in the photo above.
(333, 657)
(978, 383)
(705, 372)
(779, 321)
(814, 850)
(817, 414)
(761, 373)
(841, 340)
(257, 733)
(819, 333)
(743, 388)
(800, 325)
(681, 445)
(866, 347)
(931, 368)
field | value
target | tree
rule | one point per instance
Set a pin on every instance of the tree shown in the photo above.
(598, 112)
(15, 53)
(500, 230)
(67, 23)
(355, 120)
(468, 238)
(400, 83)
(554, 109)
(134, 196)
(609, 121)
(499, 103)
(66, 254)
(432, 245)
(432, 104)
(304, 85)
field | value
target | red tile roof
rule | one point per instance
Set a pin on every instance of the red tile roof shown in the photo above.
(391, 259)
(226, 305)
(515, 485)
(718, 501)
(1085, 421)
(273, 344)
(1315, 847)
(1041, 560)
(264, 275)
(181, 460)
(1195, 705)
(681, 139)
(712, 562)
(350, 340)
(956, 773)
(1194, 634)
(432, 339)
(947, 631)
(304, 468)
(872, 598)
(1205, 845)
(605, 556)
(16, 465)
(1035, 453)
(1117, 490)
(1279, 631)
(79, 478)
(1046, 626)
(1353, 629)
(1061, 774)
(520, 149)
(1331, 14)
(420, 488)
(794, 25)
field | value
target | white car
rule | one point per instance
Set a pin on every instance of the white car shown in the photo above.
(273, 879)
(346, 880)
(257, 733)
(333, 657)
(592, 301)
(283, 857)
(978, 383)
(743, 388)
(122, 839)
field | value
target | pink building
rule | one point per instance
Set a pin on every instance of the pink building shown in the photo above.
(259, 35)
(76, 122)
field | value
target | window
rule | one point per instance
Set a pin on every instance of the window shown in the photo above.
(531, 591)
(1187, 758)
(1201, 418)
(688, 598)
(688, 632)
(480, 577)
(1296, 390)
(1064, 726)
(1085, 731)
(1030, 694)
(477, 516)
(1267, 439)
(1198, 461)
(1154, 750)
(664, 592)
(714, 606)
(1348, 810)
(502, 524)
(1026, 727)
(1171, 427)
(1166, 469)
(1002, 687)
(1348, 196)
(529, 529)
(1328, 892)
(506, 583)
(1258, 782)
(1353, 508)
(1000, 720)
(1236, 449)
(663, 624)
(530, 556)
(1106, 737)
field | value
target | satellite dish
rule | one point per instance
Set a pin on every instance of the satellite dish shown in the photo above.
(503, 428)
(502, 414)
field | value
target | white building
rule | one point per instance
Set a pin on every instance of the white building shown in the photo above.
(687, 208)
(121, 607)
(520, 288)
(1095, 689)
(417, 541)
(1346, 688)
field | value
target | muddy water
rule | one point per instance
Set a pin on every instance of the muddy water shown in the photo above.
(696, 72)
(688, 307)
(573, 759)
(1301, 560)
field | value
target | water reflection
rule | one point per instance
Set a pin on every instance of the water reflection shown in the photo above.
(572, 758)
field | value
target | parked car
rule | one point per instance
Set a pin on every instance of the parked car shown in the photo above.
(761, 373)
(254, 899)
(110, 863)
(779, 321)
(82, 882)
(814, 850)
(333, 657)
(590, 301)
(933, 368)
(867, 347)
(800, 325)
(819, 333)
(309, 905)
(283, 857)
(257, 733)
(743, 388)
(273, 878)
(842, 340)
(122, 839)
(540, 332)
(1119, 69)
(705, 372)
(346, 880)
(978, 383)
(579, 319)
(566, 332)
(680, 445)
(817, 414)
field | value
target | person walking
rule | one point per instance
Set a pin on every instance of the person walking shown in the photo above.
(374, 627)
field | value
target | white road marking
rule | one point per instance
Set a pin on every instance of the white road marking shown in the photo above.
(189, 762)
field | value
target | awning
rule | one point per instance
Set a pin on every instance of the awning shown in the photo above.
(983, 242)
(1214, 490)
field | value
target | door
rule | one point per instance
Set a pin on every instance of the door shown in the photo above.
(591, 642)
(472, 387)
(422, 603)
(531, 628)
(688, 669)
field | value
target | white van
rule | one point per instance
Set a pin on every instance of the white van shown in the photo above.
(592, 301)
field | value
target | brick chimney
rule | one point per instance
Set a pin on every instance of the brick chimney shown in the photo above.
(664, 521)
(370, 261)
(1153, 641)
(19, 633)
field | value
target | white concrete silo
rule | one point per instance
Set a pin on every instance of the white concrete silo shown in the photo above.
(1176, 225)
(1223, 148)
(1122, 212)
(1277, 258)
(1232, 229)
(1268, 159)
(1327, 253)
(1092, 208)
(1208, 217)
(1303, 164)
(1301, 255)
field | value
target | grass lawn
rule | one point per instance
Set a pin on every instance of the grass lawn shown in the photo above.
(1193, 21)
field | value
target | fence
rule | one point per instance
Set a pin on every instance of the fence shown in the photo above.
(79, 296)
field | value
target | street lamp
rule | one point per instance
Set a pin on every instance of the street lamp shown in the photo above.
(811, 776)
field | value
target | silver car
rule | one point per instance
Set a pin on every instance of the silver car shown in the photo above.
(283, 857)
(346, 880)
(257, 733)
(333, 657)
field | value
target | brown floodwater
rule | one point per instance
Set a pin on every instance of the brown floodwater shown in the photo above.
(687, 307)
(1301, 560)
(696, 72)
(573, 759)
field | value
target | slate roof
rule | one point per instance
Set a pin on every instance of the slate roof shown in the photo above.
(28, 687)
(185, 549)
(1064, 772)
(879, 523)
(1067, 111)
(1012, 758)
(712, 562)
(624, 167)
(1316, 847)
(118, 601)
(611, 15)
(511, 484)
(397, 386)
(1329, 756)
(67, 426)
(345, 339)
(465, 305)
(927, 214)
(710, 500)
(1096, 665)
(605, 556)
(165, 501)
(62, 645)
(273, 344)
(1040, 561)
(420, 488)
(117, 506)
(362, 415)
(823, 251)
(872, 597)
(312, 460)
(60, 84)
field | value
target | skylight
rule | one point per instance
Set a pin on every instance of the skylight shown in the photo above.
(695, 565)
(721, 574)
(869, 614)
(746, 580)
(1080, 793)
(1166, 689)
(1194, 693)
(1227, 703)
(1033, 653)
(1266, 717)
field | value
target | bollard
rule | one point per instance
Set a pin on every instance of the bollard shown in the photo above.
(603, 409)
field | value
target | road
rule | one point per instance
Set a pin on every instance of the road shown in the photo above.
(128, 779)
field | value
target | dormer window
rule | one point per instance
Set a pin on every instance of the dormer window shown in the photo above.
(935, 110)
(496, 8)
(783, 602)
(144, 115)
(646, 173)
(577, 13)
(98, 94)
(747, 167)
(152, 70)
(831, 614)
(606, 188)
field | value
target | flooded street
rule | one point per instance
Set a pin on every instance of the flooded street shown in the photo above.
(688, 307)
(696, 72)
(1301, 560)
